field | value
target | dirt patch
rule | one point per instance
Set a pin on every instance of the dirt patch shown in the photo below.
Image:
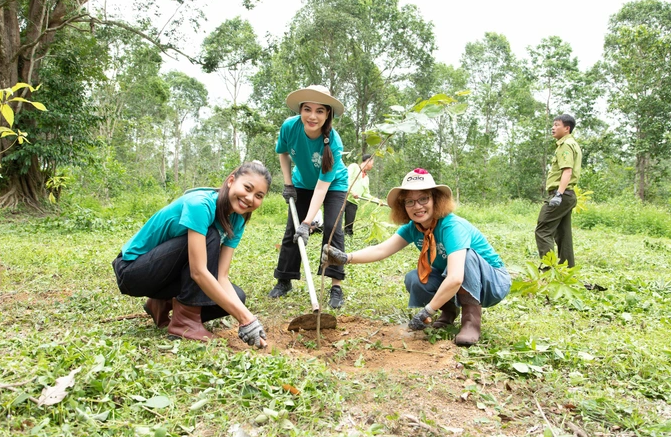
(423, 382)
(27, 298)
(359, 344)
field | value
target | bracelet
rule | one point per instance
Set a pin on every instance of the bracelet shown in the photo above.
(244, 326)
(349, 258)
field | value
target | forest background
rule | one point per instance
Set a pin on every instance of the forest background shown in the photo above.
(581, 351)
(116, 124)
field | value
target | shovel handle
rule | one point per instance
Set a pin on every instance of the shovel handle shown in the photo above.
(304, 257)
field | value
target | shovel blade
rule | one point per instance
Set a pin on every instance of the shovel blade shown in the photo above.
(308, 322)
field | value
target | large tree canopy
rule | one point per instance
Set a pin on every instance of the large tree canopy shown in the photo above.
(637, 65)
(359, 50)
(28, 33)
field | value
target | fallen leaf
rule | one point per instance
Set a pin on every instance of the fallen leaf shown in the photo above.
(55, 394)
(291, 389)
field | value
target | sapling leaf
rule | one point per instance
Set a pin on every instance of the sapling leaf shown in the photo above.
(38, 105)
(8, 114)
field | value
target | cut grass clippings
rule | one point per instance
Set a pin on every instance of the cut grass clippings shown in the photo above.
(596, 361)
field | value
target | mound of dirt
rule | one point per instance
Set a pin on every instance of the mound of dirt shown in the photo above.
(358, 344)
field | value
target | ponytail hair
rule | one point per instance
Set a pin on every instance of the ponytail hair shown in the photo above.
(224, 207)
(327, 154)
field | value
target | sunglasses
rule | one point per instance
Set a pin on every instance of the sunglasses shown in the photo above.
(422, 201)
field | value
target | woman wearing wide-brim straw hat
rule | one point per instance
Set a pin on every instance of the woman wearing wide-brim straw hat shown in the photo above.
(318, 178)
(457, 267)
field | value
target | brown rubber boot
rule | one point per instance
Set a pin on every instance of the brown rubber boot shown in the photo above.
(159, 310)
(186, 323)
(471, 317)
(448, 314)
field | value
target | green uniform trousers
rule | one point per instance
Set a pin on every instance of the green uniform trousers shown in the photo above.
(554, 225)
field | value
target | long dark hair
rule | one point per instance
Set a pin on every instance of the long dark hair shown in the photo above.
(327, 154)
(224, 208)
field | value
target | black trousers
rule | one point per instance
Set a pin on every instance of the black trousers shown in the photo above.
(164, 273)
(350, 217)
(289, 261)
(554, 226)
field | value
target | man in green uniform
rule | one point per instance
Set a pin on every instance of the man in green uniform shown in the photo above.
(554, 220)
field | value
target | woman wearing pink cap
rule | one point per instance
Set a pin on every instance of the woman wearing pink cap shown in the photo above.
(457, 267)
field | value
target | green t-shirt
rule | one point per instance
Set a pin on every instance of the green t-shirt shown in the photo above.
(306, 155)
(452, 233)
(567, 155)
(194, 210)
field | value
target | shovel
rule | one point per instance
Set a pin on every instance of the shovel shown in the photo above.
(371, 200)
(308, 321)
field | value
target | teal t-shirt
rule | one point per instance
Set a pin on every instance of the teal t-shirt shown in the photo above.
(452, 233)
(194, 210)
(306, 155)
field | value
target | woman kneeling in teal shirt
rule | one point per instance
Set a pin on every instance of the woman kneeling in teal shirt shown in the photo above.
(456, 267)
(181, 257)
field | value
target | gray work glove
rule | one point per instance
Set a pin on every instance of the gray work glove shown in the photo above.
(333, 256)
(252, 333)
(417, 323)
(288, 192)
(556, 200)
(303, 232)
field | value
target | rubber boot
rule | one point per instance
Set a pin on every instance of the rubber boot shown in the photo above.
(448, 314)
(186, 323)
(471, 317)
(159, 310)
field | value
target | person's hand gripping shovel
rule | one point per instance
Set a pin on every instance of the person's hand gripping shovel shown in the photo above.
(308, 321)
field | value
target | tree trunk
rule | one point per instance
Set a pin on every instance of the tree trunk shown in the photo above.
(641, 166)
(20, 62)
(25, 188)
(175, 161)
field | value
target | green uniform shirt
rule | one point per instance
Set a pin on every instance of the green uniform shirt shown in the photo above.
(567, 155)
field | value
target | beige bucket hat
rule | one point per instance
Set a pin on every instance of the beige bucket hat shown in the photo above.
(316, 94)
(417, 180)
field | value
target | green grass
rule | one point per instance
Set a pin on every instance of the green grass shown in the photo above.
(601, 360)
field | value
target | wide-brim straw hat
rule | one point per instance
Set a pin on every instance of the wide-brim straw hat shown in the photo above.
(417, 180)
(315, 94)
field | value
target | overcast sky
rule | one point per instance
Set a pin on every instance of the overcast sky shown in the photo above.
(581, 23)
